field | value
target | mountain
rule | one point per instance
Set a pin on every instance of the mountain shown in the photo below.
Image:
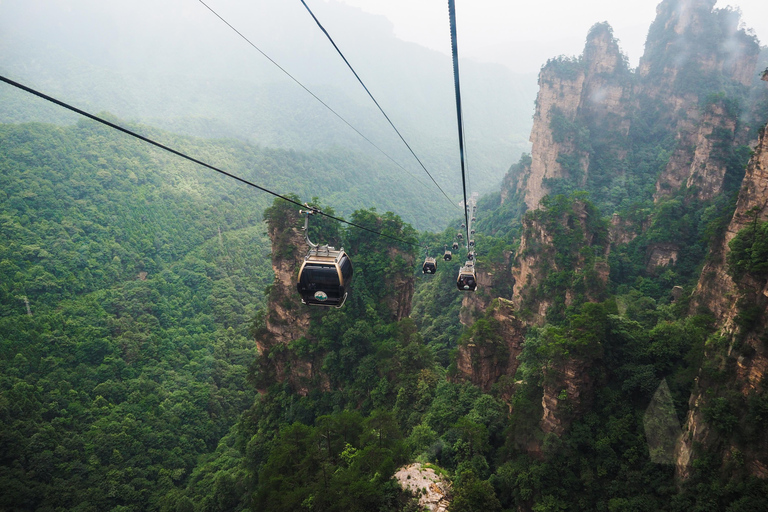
(624, 321)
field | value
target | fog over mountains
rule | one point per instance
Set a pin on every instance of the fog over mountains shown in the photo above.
(175, 66)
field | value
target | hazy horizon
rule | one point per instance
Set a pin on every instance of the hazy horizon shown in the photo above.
(522, 36)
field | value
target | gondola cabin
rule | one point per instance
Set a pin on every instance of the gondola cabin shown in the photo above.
(324, 277)
(467, 282)
(471, 243)
(429, 266)
(447, 256)
(455, 246)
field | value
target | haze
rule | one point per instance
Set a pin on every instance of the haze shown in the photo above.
(523, 35)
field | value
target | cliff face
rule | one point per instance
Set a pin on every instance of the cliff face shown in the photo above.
(680, 50)
(567, 395)
(739, 302)
(286, 319)
(573, 94)
(690, 47)
(599, 127)
(400, 291)
(556, 263)
(700, 157)
(482, 361)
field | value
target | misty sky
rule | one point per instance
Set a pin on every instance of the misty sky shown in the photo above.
(523, 35)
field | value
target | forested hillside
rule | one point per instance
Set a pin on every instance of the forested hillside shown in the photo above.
(130, 283)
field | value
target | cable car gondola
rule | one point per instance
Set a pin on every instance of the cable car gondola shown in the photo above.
(466, 281)
(459, 236)
(471, 243)
(470, 256)
(455, 246)
(429, 266)
(447, 256)
(325, 274)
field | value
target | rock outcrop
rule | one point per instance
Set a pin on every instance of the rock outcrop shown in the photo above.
(700, 159)
(573, 95)
(687, 42)
(286, 319)
(432, 490)
(693, 50)
(568, 392)
(400, 288)
(483, 360)
(739, 303)
(560, 242)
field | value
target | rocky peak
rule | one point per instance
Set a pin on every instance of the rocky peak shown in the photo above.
(693, 37)
(286, 318)
(574, 94)
(568, 393)
(602, 54)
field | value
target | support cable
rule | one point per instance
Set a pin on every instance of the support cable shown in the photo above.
(187, 157)
(242, 36)
(455, 53)
(372, 98)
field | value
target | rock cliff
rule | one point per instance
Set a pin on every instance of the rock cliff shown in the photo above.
(568, 394)
(561, 259)
(400, 288)
(689, 45)
(286, 319)
(491, 352)
(575, 94)
(701, 156)
(600, 127)
(734, 370)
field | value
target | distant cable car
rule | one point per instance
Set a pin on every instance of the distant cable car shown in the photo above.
(467, 281)
(447, 254)
(471, 256)
(325, 274)
(429, 266)
(455, 246)
(471, 243)
(463, 226)
(459, 236)
(472, 232)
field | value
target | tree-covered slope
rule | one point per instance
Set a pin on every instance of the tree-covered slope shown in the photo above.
(130, 280)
